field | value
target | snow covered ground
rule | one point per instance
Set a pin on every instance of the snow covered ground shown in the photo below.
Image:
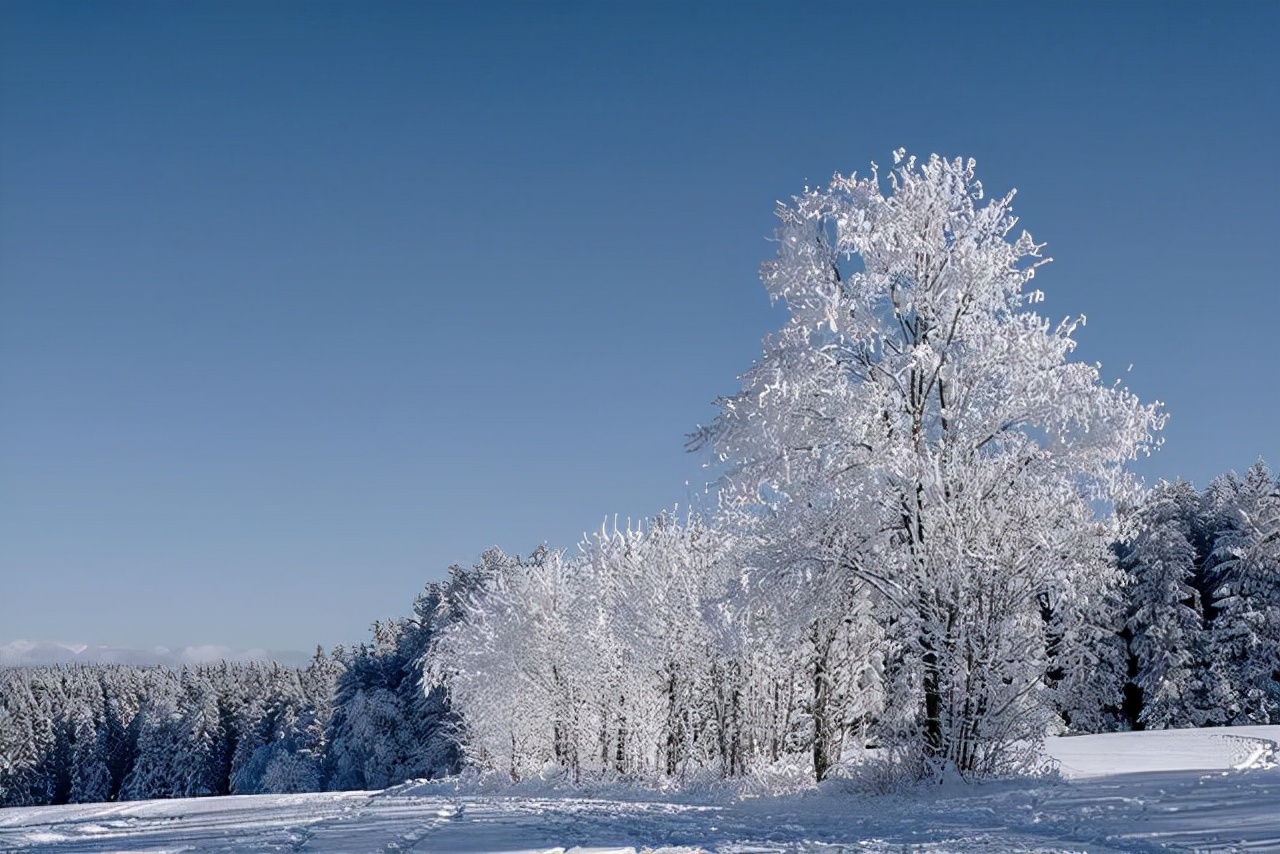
(1190, 790)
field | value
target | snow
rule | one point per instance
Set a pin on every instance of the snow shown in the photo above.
(1221, 748)
(1202, 790)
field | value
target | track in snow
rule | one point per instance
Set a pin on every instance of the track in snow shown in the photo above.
(1201, 790)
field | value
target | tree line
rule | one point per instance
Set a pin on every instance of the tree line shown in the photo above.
(927, 553)
(354, 719)
(643, 657)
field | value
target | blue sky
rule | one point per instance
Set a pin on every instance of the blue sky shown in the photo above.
(302, 303)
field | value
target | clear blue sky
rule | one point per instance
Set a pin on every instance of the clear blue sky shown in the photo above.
(302, 303)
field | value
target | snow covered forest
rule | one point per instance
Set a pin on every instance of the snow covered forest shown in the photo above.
(926, 555)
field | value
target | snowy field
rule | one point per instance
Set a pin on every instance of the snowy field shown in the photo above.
(1182, 790)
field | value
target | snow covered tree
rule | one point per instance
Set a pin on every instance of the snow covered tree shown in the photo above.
(917, 405)
(157, 772)
(383, 728)
(122, 690)
(26, 735)
(90, 776)
(1246, 575)
(808, 631)
(1164, 627)
(603, 663)
(113, 732)
(507, 662)
(648, 586)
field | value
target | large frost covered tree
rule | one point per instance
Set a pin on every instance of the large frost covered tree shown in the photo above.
(948, 455)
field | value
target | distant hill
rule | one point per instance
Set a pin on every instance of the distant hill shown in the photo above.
(19, 653)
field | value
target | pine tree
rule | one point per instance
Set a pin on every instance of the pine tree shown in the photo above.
(1246, 628)
(90, 775)
(162, 742)
(1166, 635)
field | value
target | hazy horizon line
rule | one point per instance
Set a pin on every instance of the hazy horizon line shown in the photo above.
(24, 652)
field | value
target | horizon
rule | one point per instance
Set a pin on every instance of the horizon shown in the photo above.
(301, 305)
(26, 653)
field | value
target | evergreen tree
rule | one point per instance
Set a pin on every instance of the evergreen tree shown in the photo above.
(1246, 575)
(90, 775)
(1166, 636)
(162, 743)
